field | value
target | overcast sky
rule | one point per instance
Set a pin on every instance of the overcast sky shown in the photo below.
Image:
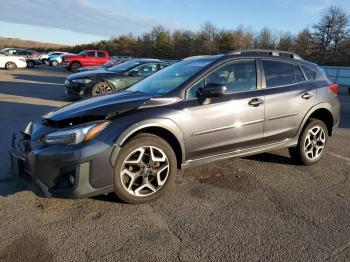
(81, 21)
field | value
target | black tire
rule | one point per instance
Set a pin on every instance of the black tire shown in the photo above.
(74, 66)
(299, 154)
(54, 63)
(11, 66)
(30, 64)
(101, 88)
(140, 141)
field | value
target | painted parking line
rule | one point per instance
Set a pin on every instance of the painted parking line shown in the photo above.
(339, 156)
(31, 100)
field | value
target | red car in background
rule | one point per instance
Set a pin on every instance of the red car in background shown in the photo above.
(85, 58)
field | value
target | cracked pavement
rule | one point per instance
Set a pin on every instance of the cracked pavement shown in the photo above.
(257, 208)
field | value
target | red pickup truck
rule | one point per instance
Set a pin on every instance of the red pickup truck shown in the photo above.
(85, 58)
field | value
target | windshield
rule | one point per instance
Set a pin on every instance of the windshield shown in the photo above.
(110, 63)
(124, 66)
(82, 53)
(171, 77)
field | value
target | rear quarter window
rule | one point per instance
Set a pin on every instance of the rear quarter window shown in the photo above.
(310, 73)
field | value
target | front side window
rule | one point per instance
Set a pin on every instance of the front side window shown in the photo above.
(278, 73)
(91, 54)
(238, 76)
(161, 66)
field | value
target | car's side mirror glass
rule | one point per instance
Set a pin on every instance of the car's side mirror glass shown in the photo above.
(212, 90)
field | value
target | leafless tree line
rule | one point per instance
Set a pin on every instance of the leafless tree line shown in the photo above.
(327, 42)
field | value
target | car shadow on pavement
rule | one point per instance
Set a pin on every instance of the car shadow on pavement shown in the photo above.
(13, 118)
(272, 158)
(111, 197)
(40, 79)
(32, 90)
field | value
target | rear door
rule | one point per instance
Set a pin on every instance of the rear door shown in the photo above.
(101, 57)
(288, 97)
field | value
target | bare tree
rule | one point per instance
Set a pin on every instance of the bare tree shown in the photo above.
(265, 39)
(286, 41)
(331, 29)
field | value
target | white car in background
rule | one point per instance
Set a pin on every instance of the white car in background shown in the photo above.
(11, 62)
(55, 58)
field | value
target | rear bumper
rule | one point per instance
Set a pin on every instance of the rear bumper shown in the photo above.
(52, 168)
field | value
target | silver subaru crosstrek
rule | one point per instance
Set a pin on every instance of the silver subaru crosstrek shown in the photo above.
(193, 112)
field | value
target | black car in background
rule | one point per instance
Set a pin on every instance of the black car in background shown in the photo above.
(96, 82)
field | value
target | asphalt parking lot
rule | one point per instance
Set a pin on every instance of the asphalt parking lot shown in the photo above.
(259, 208)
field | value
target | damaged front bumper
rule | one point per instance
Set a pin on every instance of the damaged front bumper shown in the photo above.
(63, 171)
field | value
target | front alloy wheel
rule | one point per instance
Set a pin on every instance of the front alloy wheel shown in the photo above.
(144, 168)
(10, 66)
(101, 88)
(144, 171)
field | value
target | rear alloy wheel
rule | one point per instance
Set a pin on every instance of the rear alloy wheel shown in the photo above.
(74, 66)
(312, 143)
(30, 64)
(10, 66)
(101, 88)
(144, 168)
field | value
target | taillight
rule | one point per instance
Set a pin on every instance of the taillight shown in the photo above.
(334, 88)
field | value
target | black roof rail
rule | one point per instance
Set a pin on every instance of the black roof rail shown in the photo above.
(271, 52)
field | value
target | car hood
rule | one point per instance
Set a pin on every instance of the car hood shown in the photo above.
(89, 74)
(99, 106)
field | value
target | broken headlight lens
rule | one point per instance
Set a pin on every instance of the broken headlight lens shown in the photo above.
(73, 136)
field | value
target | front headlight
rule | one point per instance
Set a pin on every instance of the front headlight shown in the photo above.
(82, 81)
(76, 135)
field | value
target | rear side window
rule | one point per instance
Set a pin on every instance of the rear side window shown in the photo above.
(278, 73)
(299, 77)
(101, 54)
(310, 74)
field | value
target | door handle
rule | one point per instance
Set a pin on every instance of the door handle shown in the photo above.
(255, 102)
(307, 95)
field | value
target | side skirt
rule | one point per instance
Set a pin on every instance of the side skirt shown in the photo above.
(240, 153)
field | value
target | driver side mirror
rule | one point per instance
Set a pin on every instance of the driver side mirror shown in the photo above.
(212, 90)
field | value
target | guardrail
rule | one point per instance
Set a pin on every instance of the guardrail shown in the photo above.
(339, 75)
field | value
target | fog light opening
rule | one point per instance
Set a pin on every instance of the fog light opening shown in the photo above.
(71, 179)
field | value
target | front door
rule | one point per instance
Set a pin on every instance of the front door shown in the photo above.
(228, 123)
